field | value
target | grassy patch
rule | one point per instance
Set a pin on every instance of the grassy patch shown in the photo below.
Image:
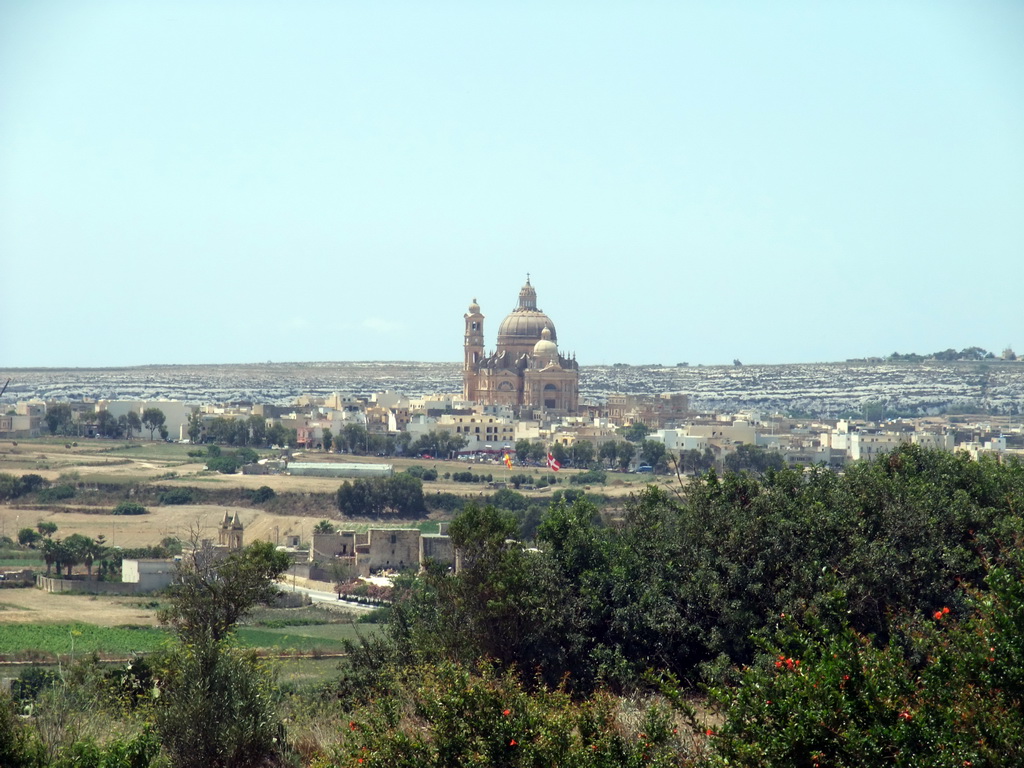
(21, 639)
(306, 672)
(322, 637)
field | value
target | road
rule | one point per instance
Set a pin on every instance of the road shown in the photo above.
(329, 599)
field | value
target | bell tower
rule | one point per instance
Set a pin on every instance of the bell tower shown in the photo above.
(473, 345)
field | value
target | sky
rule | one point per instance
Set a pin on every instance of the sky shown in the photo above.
(777, 182)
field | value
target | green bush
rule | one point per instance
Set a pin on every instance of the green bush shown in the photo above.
(944, 691)
(138, 751)
(217, 708)
(56, 493)
(226, 464)
(423, 473)
(262, 494)
(449, 502)
(130, 508)
(19, 747)
(176, 496)
(591, 477)
(447, 716)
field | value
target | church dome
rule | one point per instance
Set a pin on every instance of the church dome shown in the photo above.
(545, 349)
(474, 308)
(524, 325)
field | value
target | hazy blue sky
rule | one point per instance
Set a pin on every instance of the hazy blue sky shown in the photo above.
(202, 182)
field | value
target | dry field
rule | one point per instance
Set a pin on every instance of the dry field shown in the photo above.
(103, 461)
(33, 606)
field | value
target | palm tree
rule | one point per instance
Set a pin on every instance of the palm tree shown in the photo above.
(93, 550)
(77, 546)
(49, 549)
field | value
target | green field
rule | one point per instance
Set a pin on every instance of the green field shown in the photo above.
(64, 639)
(329, 638)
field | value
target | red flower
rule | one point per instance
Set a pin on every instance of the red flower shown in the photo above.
(512, 743)
(709, 732)
(904, 715)
(945, 610)
(937, 615)
(353, 726)
(507, 712)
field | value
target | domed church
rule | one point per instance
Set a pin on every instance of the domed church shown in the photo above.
(526, 371)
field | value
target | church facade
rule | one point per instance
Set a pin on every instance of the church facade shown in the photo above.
(526, 371)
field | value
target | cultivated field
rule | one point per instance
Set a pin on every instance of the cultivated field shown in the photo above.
(35, 621)
(168, 465)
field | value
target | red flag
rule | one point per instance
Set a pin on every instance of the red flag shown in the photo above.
(508, 460)
(553, 463)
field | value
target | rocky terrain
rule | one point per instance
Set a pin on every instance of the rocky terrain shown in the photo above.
(820, 389)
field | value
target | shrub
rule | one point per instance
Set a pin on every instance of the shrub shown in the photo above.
(592, 477)
(130, 508)
(423, 473)
(449, 502)
(945, 687)
(482, 718)
(218, 708)
(262, 494)
(56, 493)
(176, 496)
(226, 465)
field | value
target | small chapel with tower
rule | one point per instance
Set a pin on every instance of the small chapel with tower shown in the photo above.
(526, 371)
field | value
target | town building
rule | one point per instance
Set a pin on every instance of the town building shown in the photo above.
(357, 553)
(526, 370)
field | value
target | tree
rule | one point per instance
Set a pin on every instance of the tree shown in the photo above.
(607, 452)
(354, 437)
(258, 430)
(78, 549)
(560, 453)
(107, 424)
(582, 453)
(133, 425)
(653, 453)
(59, 419)
(754, 458)
(695, 462)
(46, 528)
(210, 595)
(90, 551)
(217, 706)
(522, 450)
(153, 419)
(49, 549)
(538, 452)
(400, 495)
(634, 432)
(195, 426)
(624, 453)
(27, 537)
(324, 526)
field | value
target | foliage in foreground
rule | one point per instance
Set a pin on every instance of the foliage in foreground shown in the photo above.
(448, 715)
(689, 585)
(944, 692)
